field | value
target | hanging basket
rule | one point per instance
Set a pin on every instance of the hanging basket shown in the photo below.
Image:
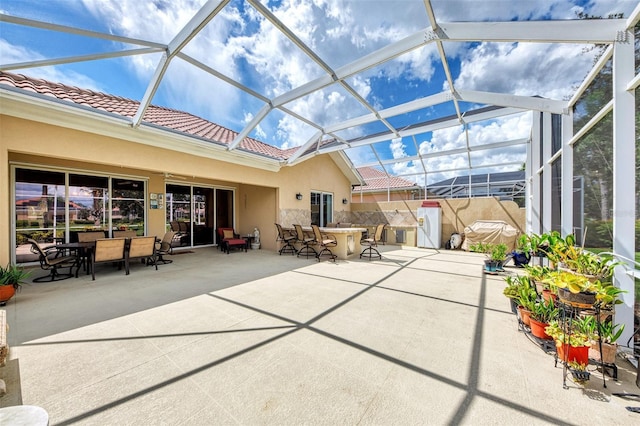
(578, 300)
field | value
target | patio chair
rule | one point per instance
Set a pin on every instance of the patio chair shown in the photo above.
(164, 247)
(51, 259)
(286, 238)
(372, 243)
(143, 248)
(305, 243)
(107, 250)
(230, 238)
(90, 236)
(325, 241)
(129, 233)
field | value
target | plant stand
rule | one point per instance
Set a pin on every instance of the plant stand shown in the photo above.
(570, 311)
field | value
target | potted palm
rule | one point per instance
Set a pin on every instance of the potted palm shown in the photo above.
(11, 278)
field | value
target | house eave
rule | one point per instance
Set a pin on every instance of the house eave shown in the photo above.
(60, 113)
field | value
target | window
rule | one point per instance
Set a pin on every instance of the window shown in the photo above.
(321, 208)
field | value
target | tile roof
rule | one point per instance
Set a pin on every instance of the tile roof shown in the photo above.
(175, 120)
(376, 179)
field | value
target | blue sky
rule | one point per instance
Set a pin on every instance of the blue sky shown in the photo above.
(243, 45)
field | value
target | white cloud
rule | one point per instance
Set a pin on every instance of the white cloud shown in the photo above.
(13, 54)
(527, 69)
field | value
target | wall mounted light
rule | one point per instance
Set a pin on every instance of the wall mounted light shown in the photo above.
(345, 201)
(298, 196)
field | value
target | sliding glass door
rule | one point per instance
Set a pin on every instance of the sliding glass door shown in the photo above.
(53, 205)
(191, 213)
(321, 208)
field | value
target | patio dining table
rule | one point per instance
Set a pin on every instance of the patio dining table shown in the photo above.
(83, 253)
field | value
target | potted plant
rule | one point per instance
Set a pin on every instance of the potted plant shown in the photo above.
(522, 254)
(573, 338)
(542, 313)
(514, 285)
(609, 334)
(11, 278)
(526, 301)
(496, 254)
(573, 289)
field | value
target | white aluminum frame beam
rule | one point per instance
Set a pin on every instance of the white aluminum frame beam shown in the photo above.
(575, 31)
(206, 13)
(624, 186)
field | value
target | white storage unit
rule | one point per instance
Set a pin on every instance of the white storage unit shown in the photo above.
(429, 225)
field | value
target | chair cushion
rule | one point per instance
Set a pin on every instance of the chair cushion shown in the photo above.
(235, 241)
(227, 234)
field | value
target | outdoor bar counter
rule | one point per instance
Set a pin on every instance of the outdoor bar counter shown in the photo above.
(348, 240)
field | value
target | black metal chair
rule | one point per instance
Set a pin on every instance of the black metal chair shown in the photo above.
(52, 260)
(325, 242)
(372, 243)
(305, 243)
(286, 239)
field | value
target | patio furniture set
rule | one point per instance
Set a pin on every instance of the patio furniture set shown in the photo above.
(334, 243)
(93, 248)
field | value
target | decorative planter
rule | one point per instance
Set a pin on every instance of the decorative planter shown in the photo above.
(492, 266)
(567, 353)
(6, 293)
(608, 352)
(579, 300)
(537, 329)
(525, 316)
(521, 259)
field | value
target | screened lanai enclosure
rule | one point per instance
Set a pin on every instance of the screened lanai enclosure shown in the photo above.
(426, 90)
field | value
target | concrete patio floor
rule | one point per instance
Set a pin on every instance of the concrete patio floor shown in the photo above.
(420, 337)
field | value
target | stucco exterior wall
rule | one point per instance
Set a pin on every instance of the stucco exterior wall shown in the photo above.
(262, 196)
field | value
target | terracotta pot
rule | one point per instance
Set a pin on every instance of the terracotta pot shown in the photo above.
(608, 352)
(547, 294)
(6, 293)
(525, 315)
(537, 329)
(579, 354)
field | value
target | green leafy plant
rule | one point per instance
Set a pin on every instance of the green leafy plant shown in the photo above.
(498, 252)
(610, 332)
(527, 297)
(571, 333)
(544, 311)
(13, 275)
(514, 285)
